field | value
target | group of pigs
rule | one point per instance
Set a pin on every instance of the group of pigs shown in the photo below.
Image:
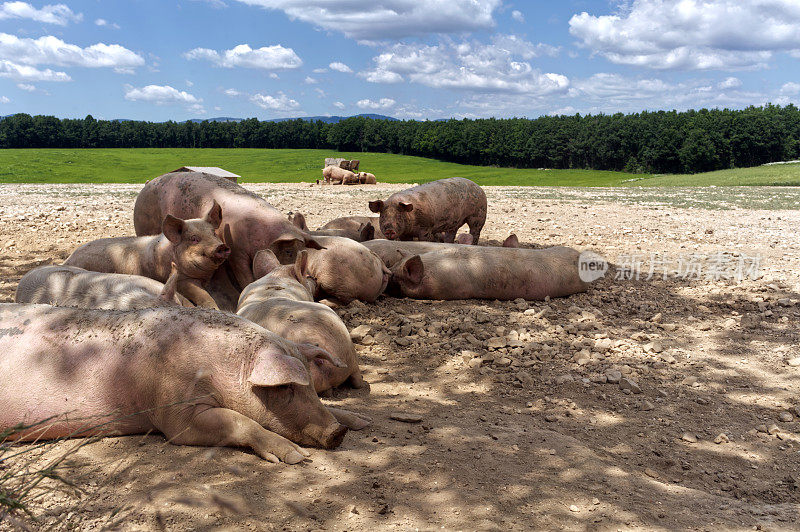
(127, 335)
(333, 175)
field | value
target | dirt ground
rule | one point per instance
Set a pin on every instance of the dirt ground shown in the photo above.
(521, 428)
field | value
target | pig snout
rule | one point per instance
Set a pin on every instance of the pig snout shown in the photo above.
(222, 252)
(328, 437)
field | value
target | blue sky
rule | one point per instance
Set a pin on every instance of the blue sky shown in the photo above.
(160, 59)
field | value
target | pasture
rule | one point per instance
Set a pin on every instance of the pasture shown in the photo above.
(528, 431)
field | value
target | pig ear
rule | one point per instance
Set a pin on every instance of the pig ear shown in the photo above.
(264, 262)
(300, 221)
(511, 242)
(173, 228)
(214, 215)
(301, 265)
(405, 207)
(376, 206)
(276, 369)
(315, 353)
(367, 232)
(413, 269)
(168, 292)
(313, 244)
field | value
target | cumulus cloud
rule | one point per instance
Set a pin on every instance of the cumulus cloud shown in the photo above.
(310, 81)
(268, 57)
(26, 87)
(160, 95)
(383, 103)
(233, 93)
(729, 83)
(9, 69)
(340, 67)
(279, 102)
(4, 99)
(339, 105)
(103, 23)
(791, 88)
(388, 19)
(500, 66)
(50, 50)
(58, 14)
(692, 34)
(518, 16)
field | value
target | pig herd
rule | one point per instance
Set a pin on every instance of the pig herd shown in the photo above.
(214, 325)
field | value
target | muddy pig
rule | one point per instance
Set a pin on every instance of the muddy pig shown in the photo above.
(474, 272)
(337, 176)
(361, 233)
(249, 223)
(68, 286)
(199, 377)
(281, 301)
(425, 211)
(191, 244)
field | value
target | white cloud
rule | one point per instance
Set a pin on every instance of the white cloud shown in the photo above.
(501, 66)
(51, 50)
(790, 88)
(729, 83)
(233, 93)
(339, 105)
(320, 93)
(9, 69)
(104, 23)
(340, 67)
(26, 87)
(518, 16)
(319, 70)
(189, 83)
(160, 95)
(310, 81)
(273, 75)
(692, 34)
(383, 103)
(267, 57)
(4, 99)
(388, 19)
(58, 14)
(216, 4)
(280, 102)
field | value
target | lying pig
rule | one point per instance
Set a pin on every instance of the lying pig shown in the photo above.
(473, 272)
(336, 176)
(365, 178)
(191, 244)
(198, 377)
(346, 270)
(249, 223)
(391, 251)
(361, 234)
(355, 223)
(68, 286)
(281, 301)
(425, 211)
(351, 179)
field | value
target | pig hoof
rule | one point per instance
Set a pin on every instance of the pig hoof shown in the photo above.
(293, 457)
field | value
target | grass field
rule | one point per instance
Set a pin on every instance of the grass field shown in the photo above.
(274, 166)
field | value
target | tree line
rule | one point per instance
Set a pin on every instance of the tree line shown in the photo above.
(654, 142)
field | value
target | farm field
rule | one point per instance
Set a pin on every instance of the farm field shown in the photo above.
(527, 434)
(278, 166)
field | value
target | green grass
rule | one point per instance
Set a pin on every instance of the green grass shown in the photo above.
(272, 166)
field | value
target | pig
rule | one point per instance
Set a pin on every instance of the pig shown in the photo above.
(360, 234)
(391, 251)
(474, 272)
(464, 238)
(68, 286)
(199, 377)
(249, 224)
(281, 301)
(192, 244)
(511, 241)
(355, 223)
(346, 270)
(336, 176)
(425, 211)
(365, 178)
(351, 179)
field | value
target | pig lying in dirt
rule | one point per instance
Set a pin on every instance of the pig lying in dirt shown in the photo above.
(476, 272)
(355, 223)
(365, 178)
(68, 286)
(336, 176)
(249, 223)
(346, 270)
(198, 377)
(360, 234)
(281, 301)
(425, 211)
(391, 251)
(191, 244)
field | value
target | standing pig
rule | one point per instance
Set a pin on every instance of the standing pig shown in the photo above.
(68, 286)
(249, 223)
(355, 223)
(472, 272)
(336, 176)
(198, 377)
(191, 244)
(281, 301)
(424, 211)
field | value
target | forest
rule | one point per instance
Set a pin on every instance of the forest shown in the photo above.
(653, 142)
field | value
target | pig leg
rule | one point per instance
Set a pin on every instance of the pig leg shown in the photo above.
(351, 420)
(448, 237)
(221, 427)
(192, 291)
(475, 225)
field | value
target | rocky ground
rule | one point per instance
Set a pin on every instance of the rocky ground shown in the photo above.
(649, 403)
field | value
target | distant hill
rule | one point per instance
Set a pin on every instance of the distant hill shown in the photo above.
(326, 119)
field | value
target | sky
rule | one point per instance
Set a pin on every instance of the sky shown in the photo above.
(412, 59)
